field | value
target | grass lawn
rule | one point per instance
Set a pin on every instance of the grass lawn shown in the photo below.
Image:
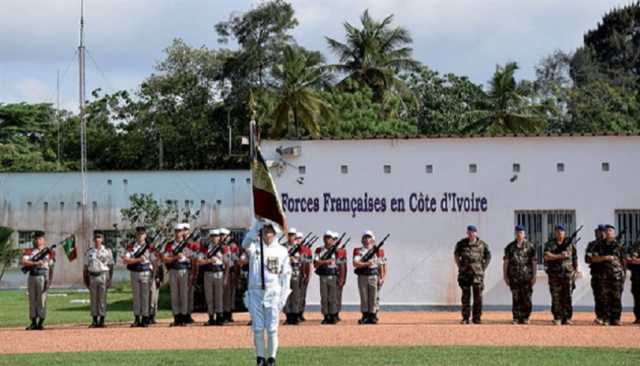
(14, 307)
(345, 356)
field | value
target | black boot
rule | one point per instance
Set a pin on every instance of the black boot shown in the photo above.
(331, 319)
(152, 319)
(144, 323)
(188, 319)
(271, 361)
(227, 316)
(374, 318)
(40, 325)
(363, 319)
(325, 319)
(260, 361)
(175, 322)
(301, 317)
(101, 322)
(219, 319)
(209, 322)
(230, 317)
(136, 322)
(337, 316)
(33, 325)
(94, 322)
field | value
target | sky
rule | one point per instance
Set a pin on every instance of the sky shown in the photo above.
(126, 38)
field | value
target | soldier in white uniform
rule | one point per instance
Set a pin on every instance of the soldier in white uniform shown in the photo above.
(139, 266)
(211, 263)
(371, 275)
(269, 282)
(97, 274)
(40, 277)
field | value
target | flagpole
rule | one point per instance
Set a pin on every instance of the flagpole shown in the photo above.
(252, 157)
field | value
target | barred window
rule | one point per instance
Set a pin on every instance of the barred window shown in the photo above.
(629, 222)
(539, 225)
(25, 239)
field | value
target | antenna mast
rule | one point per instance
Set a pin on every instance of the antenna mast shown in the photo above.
(84, 230)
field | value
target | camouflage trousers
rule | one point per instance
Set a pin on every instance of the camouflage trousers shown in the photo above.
(521, 297)
(560, 288)
(476, 288)
(597, 296)
(635, 291)
(610, 287)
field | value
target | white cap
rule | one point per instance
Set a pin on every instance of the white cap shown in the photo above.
(177, 226)
(299, 235)
(224, 231)
(336, 235)
(369, 233)
(215, 232)
(329, 233)
(292, 231)
(186, 226)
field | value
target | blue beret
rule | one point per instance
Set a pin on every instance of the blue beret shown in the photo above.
(560, 227)
(519, 228)
(609, 226)
(602, 227)
(472, 228)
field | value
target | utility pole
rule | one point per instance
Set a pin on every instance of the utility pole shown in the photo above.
(59, 153)
(84, 224)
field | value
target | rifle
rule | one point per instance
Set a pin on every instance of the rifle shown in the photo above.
(368, 255)
(331, 251)
(147, 244)
(568, 241)
(214, 250)
(312, 241)
(621, 235)
(38, 257)
(295, 249)
(194, 236)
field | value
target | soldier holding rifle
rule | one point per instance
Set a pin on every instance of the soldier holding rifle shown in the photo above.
(370, 266)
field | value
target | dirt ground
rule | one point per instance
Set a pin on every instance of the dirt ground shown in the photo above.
(394, 329)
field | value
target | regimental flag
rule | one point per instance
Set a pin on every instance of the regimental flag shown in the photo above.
(266, 201)
(69, 245)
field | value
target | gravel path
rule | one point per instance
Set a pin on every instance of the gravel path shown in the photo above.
(394, 329)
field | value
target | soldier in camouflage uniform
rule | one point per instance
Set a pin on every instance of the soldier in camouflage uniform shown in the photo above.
(596, 270)
(472, 257)
(610, 254)
(519, 270)
(633, 263)
(561, 263)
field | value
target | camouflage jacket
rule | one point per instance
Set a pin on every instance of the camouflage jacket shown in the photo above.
(596, 268)
(473, 258)
(520, 259)
(615, 249)
(565, 267)
(633, 252)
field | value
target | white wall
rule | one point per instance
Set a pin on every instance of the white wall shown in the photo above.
(49, 202)
(421, 268)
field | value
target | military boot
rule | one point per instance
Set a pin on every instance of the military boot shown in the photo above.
(94, 322)
(136, 322)
(40, 325)
(101, 322)
(33, 325)
(260, 361)
(271, 361)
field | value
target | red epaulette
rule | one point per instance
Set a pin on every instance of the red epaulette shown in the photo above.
(169, 247)
(318, 250)
(380, 253)
(129, 247)
(356, 251)
(341, 253)
(27, 251)
(195, 246)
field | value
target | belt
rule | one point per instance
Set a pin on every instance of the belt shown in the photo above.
(367, 271)
(139, 267)
(327, 271)
(96, 274)
(212, 268)
(38, 272)
(181, 265)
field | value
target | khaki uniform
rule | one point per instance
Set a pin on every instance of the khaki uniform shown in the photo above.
(38, 284)
(294, 301)
(99, 264)
(180, 278)
(474, 259)
(561, 279)
(342, 274)
(328, 283)
(140, 275)
(520, 273)
(232, 255)
(307, 262)
(213, 280)
(368, 279)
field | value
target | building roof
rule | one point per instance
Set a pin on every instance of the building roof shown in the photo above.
(470, 136)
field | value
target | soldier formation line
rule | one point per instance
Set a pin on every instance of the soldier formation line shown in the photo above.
(224, 263)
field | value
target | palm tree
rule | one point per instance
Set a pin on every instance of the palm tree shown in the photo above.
(507, 109)
(7, 252)
(298, 77)
(374, 55)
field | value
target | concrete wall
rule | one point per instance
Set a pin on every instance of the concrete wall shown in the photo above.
(50, 201)
(422, 271)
